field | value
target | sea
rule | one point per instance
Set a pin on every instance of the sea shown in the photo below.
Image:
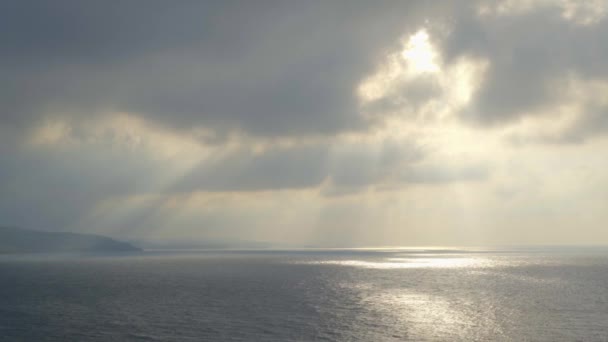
(421, 294)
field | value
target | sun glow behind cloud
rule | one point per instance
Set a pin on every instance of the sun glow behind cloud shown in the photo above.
(415, 79)
(420, 53)
(417, 56)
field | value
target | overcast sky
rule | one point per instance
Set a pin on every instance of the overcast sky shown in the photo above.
(329, 123)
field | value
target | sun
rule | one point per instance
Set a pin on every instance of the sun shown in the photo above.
(420, 53)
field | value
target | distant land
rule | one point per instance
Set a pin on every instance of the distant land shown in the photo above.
(19, 240)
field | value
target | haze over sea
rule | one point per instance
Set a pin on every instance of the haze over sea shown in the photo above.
(558, 294)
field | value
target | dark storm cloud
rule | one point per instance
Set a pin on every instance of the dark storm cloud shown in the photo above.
(266, 68)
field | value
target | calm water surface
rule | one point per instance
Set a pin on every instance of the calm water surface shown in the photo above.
(349, 295)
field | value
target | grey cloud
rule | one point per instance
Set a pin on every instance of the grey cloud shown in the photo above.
(594, 123)
(57, 186)
(439, 174)
(52, 188)
(339, 168)
(359, 165)
(269, 68)
(411, 95)
(244, 170)
(296, 167)
(591, 123)
(529, 53)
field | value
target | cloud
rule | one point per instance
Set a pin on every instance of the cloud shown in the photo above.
(335, 164)
(494, 65)
(278, 69)
(531, 48)
(52, 188)
(335, 167)
(578, 115)
(297, 118)
(362, 164)
(59, 171)
(286, 69)
(245, 170)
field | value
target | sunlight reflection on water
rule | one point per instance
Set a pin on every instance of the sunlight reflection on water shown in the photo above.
(435, 317)
(399, 263)
(427, 312)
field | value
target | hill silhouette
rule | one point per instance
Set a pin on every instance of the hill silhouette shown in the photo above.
(19, 240)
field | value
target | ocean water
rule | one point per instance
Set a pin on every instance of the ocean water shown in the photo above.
(339, 295)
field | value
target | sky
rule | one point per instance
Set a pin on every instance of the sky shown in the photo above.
(307, 123)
